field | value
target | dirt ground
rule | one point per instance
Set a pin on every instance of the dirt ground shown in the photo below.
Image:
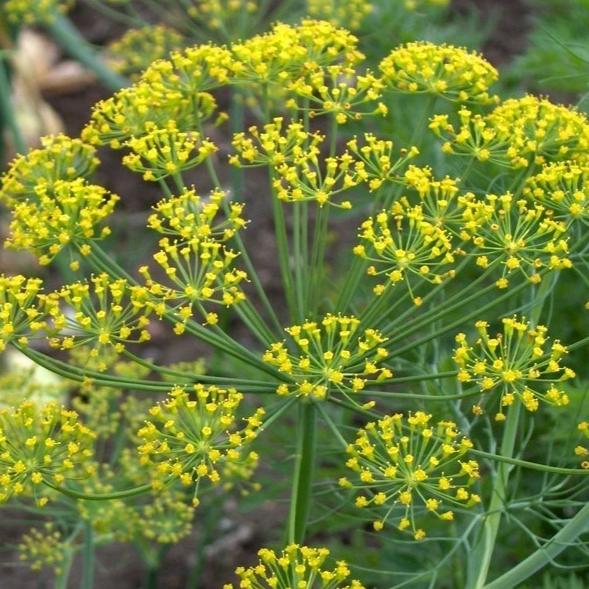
(238, 536)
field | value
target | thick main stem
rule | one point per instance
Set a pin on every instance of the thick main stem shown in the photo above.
(300, 502)
(545, 554)
(480, 560)
(88, 555)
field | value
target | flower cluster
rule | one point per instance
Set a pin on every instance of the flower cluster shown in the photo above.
(441, 200)
(170, 518)
(105, 314)
(334, 354)
(189, 216)
(59, 158)
(22, 309)
(350, 14)
(286, 53)
(224, 16)
(41, 445)
(39, 11)
(519, 364)
(200, 271)
(519, 132)
(194, 257)
(562, 187)
(326, 92)
(404, 247)
(453, 73)
(190, 438)
(376, 163)
(299, 173)
(70, 213)
(139, 109)
(137, 49)
(43, 547)
(164, 152)
(276, 145)
(518, 236)
(295, 566)
(410, 464)
(189, 72)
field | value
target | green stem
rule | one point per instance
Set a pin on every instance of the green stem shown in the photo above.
(61, 582)
(75, 45)
(283, 252)
(88, 555)
(545, 554)
(454, 324)
(480, 560)
(151, 577)
(303, 473)
(207, 528)
(141, 490)
(529, 465)
(6, 110)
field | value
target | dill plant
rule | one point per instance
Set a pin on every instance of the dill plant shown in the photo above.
(408, 431)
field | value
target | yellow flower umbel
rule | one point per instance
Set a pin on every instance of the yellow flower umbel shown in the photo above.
(164, 152)
(28, 12)
(58, 158)
(404, 247)
(327, 92)
(316, 180)
(43, 547)
(106, 314)
(562, 187)
(376, 164)
(350, 14)
(299, 173)
(200, 272)
(520, 364)
(137, 49)
(70, 213)
(333, 355)
(287, 52)
(519, 237)
(189, 73)
(275, 145)
(295, 567)
(189, 216)
(190, 438)
(454, 73)
(135, 111)
(407, 466)
(229, 18)
(23, 310)
(519, 132)
(440, 200)
(170, 518)
(41, 445)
